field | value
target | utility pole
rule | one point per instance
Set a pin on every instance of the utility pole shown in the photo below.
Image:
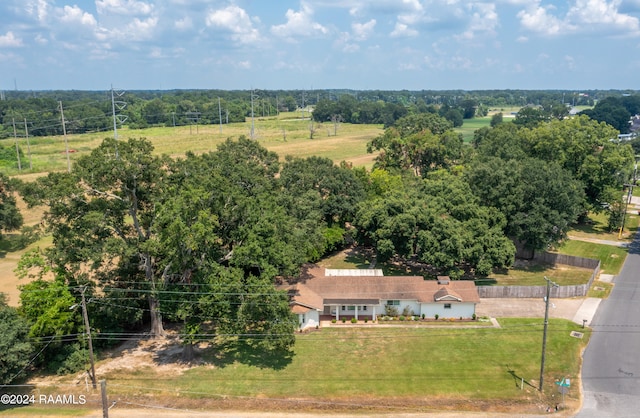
(64, 132)
(103, 393)
(626, 206)
(15, 139)
(26, 133)
(88, 332)
(544, 333)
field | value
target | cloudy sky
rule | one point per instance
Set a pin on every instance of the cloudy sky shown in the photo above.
(305, 44)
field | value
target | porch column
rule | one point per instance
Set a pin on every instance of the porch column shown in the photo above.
(373, 316)
(337, 312)
(357, 306)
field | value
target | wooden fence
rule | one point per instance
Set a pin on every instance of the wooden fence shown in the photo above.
(541, 291)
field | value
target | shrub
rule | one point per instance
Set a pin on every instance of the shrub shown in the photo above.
(437, 316)
(366, 320)
(354, 321)
(333, 321)
(423, 316)
(390, 310)
(473, 316)
(407, 311)
(344, 320)
(402, 318)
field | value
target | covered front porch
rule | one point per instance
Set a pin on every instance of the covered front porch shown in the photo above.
(351, 308)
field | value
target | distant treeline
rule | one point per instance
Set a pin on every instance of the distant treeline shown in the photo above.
(38, 113)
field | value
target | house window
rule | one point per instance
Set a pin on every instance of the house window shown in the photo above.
(447, 306)
(344, 308)
(393, 302)
(364, 308)
(351, 308)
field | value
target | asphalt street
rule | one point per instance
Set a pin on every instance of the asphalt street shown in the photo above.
(611, 367)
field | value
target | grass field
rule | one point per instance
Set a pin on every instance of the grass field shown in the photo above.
(597, 228)
(287, 134)
(611, 257)
(470, 126)
(521, 274)
(534, 274)
(370, 370)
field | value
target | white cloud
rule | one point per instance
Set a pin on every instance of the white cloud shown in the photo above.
(537, 19)
(402, 30)
(602, 13)
(484, 19)
(184, 23)
(583, 16)
(123, 7)
(570, 62)
(38, 8)
(139, 30)
(299, 24)
(41, 39)
(75, 15)
(350, 48)
(236, 21)
(362, 31)
(391, 7)
(10, 41)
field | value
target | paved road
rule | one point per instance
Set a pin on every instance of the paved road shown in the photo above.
(611, 368)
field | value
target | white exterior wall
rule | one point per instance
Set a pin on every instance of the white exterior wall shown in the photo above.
(309, 320)
(412, 304)
(458, 309)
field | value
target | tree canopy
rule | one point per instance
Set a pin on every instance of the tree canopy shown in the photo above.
(438, 221)
(14, 343)
(10, 217)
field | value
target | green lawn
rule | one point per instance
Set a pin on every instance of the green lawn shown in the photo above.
(470, 126)
(336, 364)
(600, 290)
(523, 274)
(597, 228)
(534, 274)
(611, 257)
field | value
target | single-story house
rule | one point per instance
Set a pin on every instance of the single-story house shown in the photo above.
(360, 297)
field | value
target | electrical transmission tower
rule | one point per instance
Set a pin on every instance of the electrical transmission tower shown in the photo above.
(253, 126)
(118, 105)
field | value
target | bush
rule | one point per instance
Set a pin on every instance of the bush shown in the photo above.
(354, 321)
(344, 320)
(473, 316)
(390, 310)
(70, 359)
(437, 316)
(402, 318)
(333, 321)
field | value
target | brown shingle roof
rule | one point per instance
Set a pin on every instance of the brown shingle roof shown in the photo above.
(446, 293)
(369, 290)
(303, 297)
